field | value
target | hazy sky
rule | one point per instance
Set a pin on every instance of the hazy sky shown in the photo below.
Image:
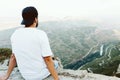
(62, 8)
(106, 12)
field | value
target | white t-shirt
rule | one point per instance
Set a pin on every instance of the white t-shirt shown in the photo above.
(30, 45)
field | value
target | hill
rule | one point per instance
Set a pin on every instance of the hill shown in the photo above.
(79, 44)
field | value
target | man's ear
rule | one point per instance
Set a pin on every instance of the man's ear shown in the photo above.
(36, 20)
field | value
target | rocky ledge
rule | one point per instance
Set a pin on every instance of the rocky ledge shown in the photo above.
(64, 74)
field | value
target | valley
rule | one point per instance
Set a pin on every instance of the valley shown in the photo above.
(79, 45)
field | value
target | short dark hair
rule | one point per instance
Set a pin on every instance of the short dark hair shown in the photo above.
(29, 14)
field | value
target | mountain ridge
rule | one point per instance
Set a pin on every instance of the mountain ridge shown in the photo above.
(72, 41)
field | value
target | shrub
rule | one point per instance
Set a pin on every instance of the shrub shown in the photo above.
(5, 53)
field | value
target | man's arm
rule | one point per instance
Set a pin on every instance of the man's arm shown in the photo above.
(12, 64)
(50, 65)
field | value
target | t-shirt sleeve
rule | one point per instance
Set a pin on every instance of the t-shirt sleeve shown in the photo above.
(45, 46)
(12, 44)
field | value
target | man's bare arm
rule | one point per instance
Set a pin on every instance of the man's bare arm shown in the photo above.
(50, 65)
(12, 64)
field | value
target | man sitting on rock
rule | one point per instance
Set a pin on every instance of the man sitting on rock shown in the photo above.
(31, 50)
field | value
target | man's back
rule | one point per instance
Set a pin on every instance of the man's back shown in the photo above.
(30, 45)
(31, 50)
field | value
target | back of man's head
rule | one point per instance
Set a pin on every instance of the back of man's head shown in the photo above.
(29, 14)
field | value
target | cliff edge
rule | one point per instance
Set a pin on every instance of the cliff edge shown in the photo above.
(64, 74)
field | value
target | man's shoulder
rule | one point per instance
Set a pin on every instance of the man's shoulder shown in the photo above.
(14, 32)
(41, 31)
(17, 29)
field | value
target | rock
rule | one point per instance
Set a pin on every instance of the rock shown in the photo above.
(118, 71)
(64, 74)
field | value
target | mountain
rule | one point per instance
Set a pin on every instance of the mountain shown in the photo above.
(106, 64)
(5, 37)
(79, 44)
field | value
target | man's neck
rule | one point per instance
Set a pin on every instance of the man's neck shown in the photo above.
(32, 26)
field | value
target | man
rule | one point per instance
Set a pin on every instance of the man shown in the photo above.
(31, 50)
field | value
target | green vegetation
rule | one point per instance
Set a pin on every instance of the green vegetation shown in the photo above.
(5, 53)
(107, 64)
(70, 42)
(77, 43)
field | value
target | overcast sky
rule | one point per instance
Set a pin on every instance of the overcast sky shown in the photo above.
(62, 8)
(103, 11)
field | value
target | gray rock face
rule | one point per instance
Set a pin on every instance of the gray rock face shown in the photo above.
(64, 74)
(118, 70)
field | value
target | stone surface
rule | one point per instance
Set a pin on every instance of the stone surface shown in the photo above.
(64, 74)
